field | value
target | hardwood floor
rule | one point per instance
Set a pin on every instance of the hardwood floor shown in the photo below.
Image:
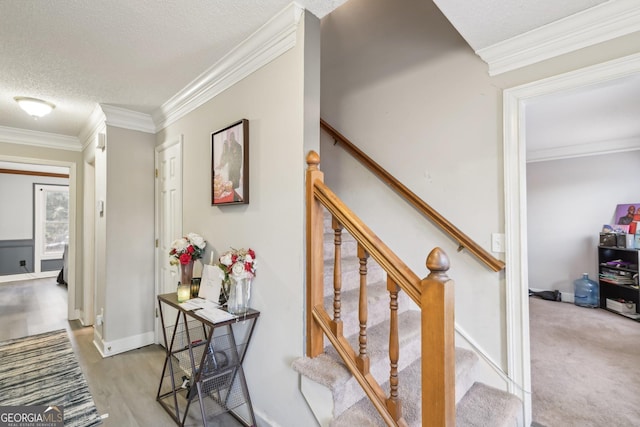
(123, 386)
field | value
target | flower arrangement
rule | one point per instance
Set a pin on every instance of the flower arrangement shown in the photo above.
(187, 249)
(240, 263)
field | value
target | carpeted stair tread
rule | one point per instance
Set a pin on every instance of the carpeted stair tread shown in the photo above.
(378, 338)
(378, 305)
(350, 267)
(348, 244)
(481, 406)
(329, 370)
(466, 371)
(331, 373)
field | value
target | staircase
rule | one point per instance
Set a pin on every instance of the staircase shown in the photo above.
(476, 404)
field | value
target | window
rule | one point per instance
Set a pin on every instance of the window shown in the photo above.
(52, 220)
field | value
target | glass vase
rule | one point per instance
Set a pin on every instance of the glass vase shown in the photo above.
(239, 295)
(186, 273)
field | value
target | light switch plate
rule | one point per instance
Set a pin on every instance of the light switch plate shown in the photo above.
(497, 242)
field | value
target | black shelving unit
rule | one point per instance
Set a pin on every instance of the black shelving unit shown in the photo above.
(618, 277)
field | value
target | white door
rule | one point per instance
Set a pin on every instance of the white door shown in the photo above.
(168, 220)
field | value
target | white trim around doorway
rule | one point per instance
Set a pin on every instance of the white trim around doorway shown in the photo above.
(516, 275)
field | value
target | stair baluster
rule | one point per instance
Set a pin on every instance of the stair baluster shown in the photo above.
(394, 404)
(337, 277)
(363, 357)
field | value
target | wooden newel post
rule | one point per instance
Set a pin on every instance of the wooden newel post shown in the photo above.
(438, 346)
(315, 257)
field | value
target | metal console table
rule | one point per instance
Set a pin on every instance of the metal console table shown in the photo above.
(204, 362)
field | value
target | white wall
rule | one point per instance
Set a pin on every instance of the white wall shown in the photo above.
(568, 201)
(16, 211)
(279, 100)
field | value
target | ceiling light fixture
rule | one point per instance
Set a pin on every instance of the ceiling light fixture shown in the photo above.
(34, 107)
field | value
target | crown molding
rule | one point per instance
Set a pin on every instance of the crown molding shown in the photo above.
(582, 150)
(595, 25)
(39, 139)
(94, 125)
(267, 43)
(127, 119)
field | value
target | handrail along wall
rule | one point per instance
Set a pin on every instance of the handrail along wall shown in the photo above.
(463, 240)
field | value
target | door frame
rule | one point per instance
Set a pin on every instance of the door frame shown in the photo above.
(157, 211)
(72, 312)
(515, 200)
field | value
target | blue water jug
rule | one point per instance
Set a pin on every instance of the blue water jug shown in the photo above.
(586, 292)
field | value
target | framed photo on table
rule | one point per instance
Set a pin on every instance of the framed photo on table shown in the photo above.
(230, 164)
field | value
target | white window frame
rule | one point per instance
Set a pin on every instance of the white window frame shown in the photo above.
(40, 216)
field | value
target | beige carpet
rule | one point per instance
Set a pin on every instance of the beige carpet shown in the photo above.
(585, 366)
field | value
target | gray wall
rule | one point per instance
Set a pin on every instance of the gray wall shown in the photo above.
(568, 201)
(281, 102)
(12, 252)
(400, 82)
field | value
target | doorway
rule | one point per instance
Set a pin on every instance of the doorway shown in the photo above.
(517, 304)
(45, 164)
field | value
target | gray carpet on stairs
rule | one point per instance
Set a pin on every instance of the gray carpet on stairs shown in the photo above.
(481, 406)
(477, 404)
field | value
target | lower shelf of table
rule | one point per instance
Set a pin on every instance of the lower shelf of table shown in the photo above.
(220, 393)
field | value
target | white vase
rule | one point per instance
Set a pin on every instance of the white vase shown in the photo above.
(239, 294)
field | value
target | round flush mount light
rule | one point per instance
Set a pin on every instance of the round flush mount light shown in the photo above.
(34, 107)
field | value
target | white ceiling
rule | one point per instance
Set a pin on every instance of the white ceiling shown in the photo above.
(600, 117)
(484, 23)
(138, 54)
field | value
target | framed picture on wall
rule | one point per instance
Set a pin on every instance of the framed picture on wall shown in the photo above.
(230, 164)
(627, 213)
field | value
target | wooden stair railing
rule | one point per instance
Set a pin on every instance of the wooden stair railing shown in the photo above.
(434, 295)
(464, 241)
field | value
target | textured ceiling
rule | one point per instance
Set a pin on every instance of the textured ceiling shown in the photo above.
(138, 54)
(131, 54)
(483, 23)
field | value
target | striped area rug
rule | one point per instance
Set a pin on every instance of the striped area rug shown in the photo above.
(42, 370)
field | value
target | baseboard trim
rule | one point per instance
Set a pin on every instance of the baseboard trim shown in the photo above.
(263, 420)
(111, 348)
(486, 359)
(27, 276)
(319, 398)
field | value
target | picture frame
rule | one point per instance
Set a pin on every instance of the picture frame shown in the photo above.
(230, 164)
(627, 213)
